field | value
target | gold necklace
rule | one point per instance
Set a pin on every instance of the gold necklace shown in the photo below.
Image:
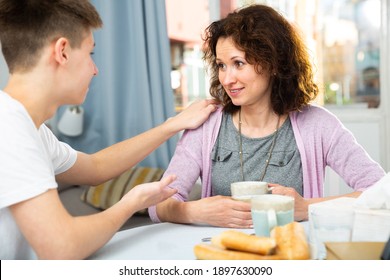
(269, 153)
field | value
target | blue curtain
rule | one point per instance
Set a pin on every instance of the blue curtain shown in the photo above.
(132, 92)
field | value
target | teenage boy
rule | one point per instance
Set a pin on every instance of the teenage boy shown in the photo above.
(47, 45)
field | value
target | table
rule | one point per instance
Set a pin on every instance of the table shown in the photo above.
(164, 241)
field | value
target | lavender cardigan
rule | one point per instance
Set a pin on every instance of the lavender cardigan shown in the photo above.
(322, 141)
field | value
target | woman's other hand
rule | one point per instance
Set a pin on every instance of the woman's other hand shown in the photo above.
(300, 204)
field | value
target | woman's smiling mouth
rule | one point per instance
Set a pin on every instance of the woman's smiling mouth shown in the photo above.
(234, 92)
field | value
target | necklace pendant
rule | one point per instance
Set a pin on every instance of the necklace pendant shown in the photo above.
(269, 153)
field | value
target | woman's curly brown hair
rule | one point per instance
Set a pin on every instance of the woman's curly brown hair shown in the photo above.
(269, 42)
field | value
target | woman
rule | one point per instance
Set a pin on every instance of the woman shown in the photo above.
(50, 64)
(265, 130)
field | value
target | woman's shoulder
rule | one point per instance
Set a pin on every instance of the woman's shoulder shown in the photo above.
(213, 120)
(217, 113)
(315, 109)
(208, 127)
(314, 114)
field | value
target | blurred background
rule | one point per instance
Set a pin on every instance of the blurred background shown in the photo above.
(149, 55)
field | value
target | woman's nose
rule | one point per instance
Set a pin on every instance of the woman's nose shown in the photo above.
(228, 77)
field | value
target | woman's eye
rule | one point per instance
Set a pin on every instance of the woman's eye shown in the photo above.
(221, 65)
(239, 63)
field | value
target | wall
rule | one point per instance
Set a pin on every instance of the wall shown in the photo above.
(186, 20)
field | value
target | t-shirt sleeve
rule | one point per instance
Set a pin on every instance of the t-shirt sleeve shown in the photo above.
(62, 155)
(25, 168)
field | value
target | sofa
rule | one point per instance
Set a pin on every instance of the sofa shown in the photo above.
(75, 198)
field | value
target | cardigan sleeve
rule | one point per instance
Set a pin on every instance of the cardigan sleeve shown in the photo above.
(349, 159)
(324, 141)
(186, 165)
(192, 160)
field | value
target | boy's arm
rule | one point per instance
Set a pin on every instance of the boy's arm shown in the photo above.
(114, 160)
(54, 234)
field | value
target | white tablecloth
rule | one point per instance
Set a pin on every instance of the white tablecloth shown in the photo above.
(165, 241)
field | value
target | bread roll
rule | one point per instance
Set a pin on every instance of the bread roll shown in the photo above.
(241, 241)
(291, 242)
(211, 252)
(217, 241)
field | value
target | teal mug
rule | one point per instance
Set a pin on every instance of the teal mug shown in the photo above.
(271, 210)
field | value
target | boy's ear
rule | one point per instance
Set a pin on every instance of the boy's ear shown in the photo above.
(61, 50)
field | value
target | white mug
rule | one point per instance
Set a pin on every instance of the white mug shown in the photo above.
(245, 190)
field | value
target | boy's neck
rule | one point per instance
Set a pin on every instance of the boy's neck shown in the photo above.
(33, 97)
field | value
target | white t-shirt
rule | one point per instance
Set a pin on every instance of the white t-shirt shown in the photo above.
(29, 160)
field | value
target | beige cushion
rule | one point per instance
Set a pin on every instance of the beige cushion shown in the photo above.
(107, 194)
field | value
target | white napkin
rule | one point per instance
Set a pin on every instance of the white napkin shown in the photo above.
(377, 196)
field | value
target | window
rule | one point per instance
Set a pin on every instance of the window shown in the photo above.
(343, 37)
(349, 40)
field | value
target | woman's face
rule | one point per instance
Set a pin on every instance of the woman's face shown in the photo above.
(242, 83)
